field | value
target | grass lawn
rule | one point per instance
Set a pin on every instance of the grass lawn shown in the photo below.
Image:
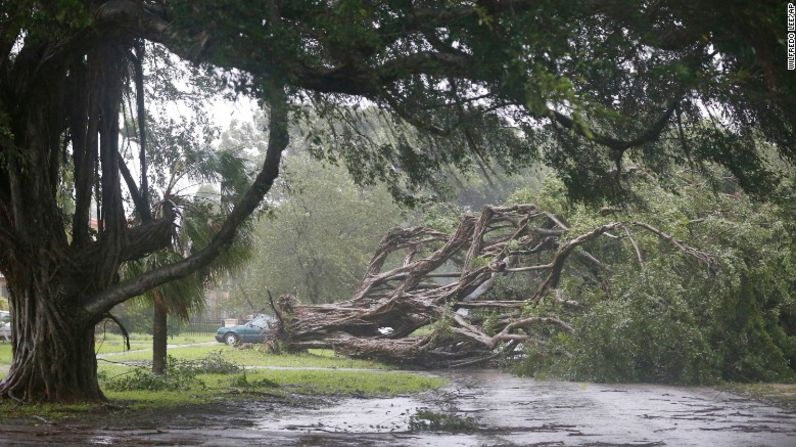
(142, 343)
(330, 376)
(283, 383)
(107, 343)
(5, 354)
(315, 358)
(111, 343)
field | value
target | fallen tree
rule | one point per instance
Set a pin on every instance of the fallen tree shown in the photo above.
(420, 276)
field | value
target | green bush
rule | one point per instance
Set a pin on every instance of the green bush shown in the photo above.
(671, 318)
(179, 375)
(645, 335)
(174, 379)
(212, 363)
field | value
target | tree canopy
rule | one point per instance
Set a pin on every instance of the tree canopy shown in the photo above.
(608, 80)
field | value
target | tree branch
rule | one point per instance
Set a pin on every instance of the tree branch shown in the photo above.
(557, 264)
(278, 141)
(649, 135)
(144, 211)
(140, 205)
(84, 121)
(702, 256)
(150, 237)
(635, 246)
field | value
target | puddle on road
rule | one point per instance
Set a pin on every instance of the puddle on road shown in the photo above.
(348, 415)
(506, 411)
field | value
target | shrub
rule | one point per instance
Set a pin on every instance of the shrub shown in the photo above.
(179, 375)
(212, 363)
(646, 336)
(672, 319)
(175, 378)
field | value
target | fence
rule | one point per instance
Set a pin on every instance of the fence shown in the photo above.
(201, 326)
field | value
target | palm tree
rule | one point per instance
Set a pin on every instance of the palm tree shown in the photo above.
(185, 297)
(188, 177)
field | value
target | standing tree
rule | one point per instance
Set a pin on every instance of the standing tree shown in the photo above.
(475, 78)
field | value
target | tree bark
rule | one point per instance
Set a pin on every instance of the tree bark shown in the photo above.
(160, 336)
(53, 346)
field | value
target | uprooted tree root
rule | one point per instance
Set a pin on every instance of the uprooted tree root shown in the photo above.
(440, 278)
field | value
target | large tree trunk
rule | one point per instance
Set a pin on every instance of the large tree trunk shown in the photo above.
(53, 346)
(160, 336)
(50, 276)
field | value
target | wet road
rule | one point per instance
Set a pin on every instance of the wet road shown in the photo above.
(508, 411)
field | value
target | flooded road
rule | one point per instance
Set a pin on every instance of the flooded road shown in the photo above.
(496, 410)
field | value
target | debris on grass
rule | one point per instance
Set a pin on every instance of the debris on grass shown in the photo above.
(425, 419)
